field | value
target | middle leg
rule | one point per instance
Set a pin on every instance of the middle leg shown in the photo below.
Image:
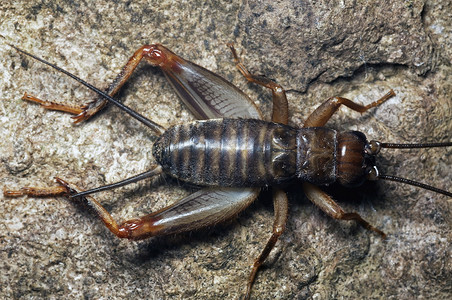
(280, 107)
(281, 208)
(280, 114)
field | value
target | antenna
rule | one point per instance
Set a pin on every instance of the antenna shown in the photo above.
(374, 148)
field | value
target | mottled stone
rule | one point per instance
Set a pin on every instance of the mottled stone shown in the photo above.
(51, 248)
(324, 40)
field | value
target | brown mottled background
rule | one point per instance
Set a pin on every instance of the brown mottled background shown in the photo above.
(51, 248)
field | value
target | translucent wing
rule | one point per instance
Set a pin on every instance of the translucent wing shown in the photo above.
(205, 207)
(208, 95)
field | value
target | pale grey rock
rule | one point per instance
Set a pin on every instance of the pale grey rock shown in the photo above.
(51, 248)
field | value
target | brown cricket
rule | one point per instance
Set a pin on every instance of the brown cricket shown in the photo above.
(231, 152)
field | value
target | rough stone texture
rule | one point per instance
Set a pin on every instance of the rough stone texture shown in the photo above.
(50, 248)
(322, 41)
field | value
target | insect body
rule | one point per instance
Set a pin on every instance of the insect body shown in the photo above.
(233, 153)
(255, 153)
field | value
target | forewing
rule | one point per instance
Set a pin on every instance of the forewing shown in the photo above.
(206, 207)
(209, 96)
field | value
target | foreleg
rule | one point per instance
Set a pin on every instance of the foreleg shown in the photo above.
(323, 113)
(331, 208)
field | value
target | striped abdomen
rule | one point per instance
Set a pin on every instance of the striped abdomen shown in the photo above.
(228, 152)
(249, 153)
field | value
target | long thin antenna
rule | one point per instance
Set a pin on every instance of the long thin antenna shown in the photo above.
(154, 126)
(414, 183)
(410, 146)
(374, 148)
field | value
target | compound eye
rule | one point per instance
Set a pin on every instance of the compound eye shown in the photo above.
(372, 173)
(373, 147)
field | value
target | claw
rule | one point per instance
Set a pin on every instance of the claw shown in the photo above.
(88, 110)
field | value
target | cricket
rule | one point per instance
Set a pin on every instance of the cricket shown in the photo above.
(231, 152)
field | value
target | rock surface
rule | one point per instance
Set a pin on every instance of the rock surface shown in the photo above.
(51, 248)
